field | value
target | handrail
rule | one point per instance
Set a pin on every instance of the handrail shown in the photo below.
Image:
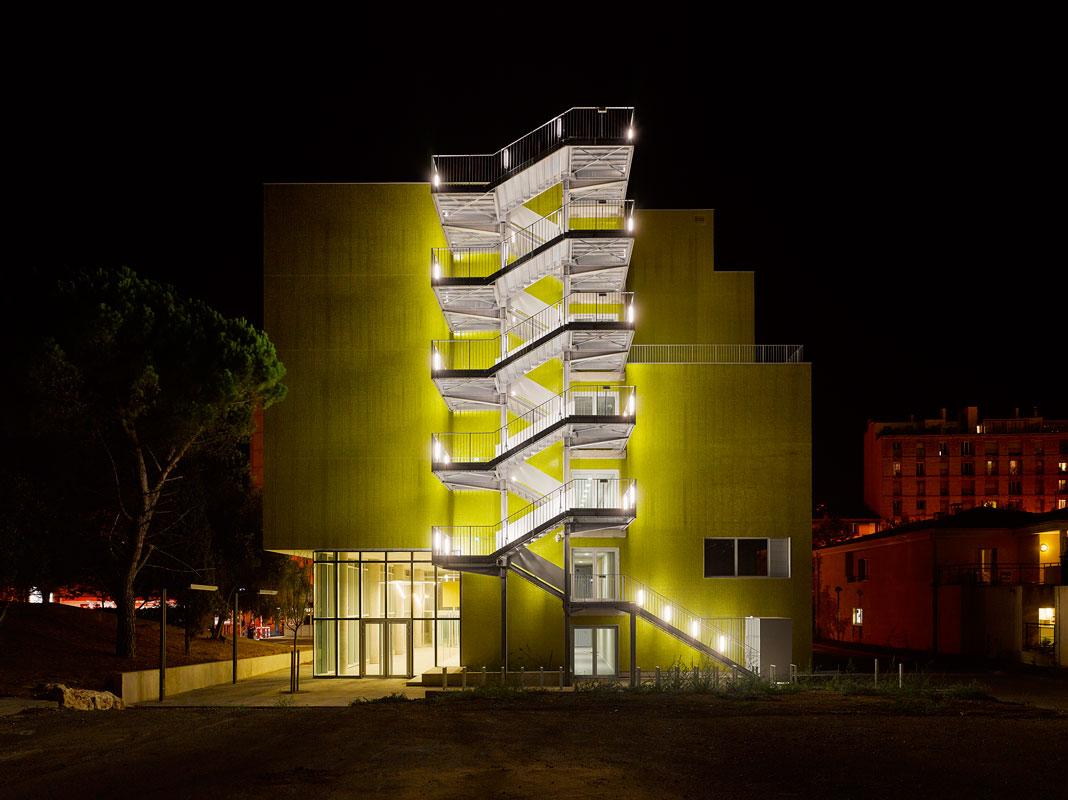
(578, 215)
(575, 495)
(716, 354)
(578, 124)
(623, 588)
(484, 353)
(1001, 573)
(606, 401)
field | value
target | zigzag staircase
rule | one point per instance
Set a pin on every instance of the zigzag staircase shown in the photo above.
(498, 247)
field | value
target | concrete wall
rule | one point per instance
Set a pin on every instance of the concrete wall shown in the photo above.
(133, 687)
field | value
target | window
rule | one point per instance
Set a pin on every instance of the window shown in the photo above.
(856, 568)
(920, 450)
(943, 448)
(1015, 487)
(897, 469)
(1040, 448)
(966, 448)
(920, 469)
(921, 506)
(1062, 448)
(991, 448)
(1015, 467)
(747, 558)
(896, 508)
(967, 468)
(1040, 487)
(1040, 467)
(991, 467)
(943, 489)
(895, 448)
(1062, 486)
(1061, 503)
(1062, 467)
(858, 616)
(943, 469)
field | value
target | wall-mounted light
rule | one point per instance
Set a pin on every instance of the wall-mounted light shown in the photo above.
(695, 628)
(436, 180)
(630, 223)
(436, 360)
(667, 613)
(630, 134)
(641, 598)
(435, 270)
(1043, 547)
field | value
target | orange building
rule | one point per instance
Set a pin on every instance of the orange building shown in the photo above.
(986, 583)
(922, 469)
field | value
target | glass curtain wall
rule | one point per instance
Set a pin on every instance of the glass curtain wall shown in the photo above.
(384, 613)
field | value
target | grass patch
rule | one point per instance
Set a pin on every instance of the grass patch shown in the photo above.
(395, 697)
(916, 686)
(706, 682)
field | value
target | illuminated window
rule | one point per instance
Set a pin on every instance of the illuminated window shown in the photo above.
(1062, 503)
(1015, 468)
(897, 469)
(1062, 467)
(1062, 486)
(943, 449)
(747, 558)
(991, 467)
(858, 616)
(1046, 615)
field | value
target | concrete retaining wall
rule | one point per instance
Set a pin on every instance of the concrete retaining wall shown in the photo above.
(133, 687)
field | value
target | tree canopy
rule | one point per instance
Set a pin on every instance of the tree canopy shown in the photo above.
(140, 377)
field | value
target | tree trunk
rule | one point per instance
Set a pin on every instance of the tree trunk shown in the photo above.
(126, 634)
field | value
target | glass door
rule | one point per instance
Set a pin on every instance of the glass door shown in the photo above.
(386, 648)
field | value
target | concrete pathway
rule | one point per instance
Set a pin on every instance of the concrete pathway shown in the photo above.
(272, 689)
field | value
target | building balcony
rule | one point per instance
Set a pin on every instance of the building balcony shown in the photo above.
(1000, 574)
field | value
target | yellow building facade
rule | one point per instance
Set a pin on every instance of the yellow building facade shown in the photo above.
(529, 426)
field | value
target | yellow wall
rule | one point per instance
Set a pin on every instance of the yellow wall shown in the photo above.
(718, 450)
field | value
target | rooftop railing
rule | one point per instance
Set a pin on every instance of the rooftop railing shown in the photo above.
(591, 126)
(576, 495)
(614, 587)
(716, 354)
(479, 354)
(578, 215)
(614, 401)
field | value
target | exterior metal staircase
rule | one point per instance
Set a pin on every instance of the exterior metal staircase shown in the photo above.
(596, 420)
(590, 240)
(487, 548)
(592, 330)
(589, 148)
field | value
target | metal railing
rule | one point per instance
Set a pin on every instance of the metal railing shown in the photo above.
(1000, 574)
(615, 587)
(576, 125)
(578, 494)
(450, 354)
(579, 401)
(716, 354)
(578, 215)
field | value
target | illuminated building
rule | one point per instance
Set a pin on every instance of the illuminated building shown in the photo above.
(922, 469)
(987, 583)
(522, 413)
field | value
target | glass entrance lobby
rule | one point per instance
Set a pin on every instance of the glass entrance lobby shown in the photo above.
(384, 613)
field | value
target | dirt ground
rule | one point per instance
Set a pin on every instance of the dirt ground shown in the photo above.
(815, 744)
(52, 643)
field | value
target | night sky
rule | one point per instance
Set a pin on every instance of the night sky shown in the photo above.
(893, 197)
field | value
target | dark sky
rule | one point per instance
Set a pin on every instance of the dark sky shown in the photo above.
(892, 197)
